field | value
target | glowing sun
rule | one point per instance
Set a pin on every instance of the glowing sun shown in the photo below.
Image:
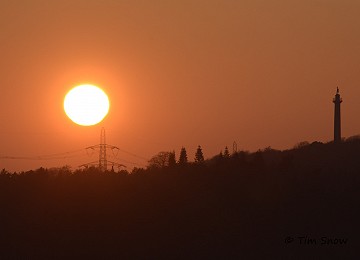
(86, 105)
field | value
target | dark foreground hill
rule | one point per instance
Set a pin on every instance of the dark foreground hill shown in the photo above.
(296, 204)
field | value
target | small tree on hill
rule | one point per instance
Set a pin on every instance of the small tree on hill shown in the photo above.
(221, 156)
(172, 159)
(199, 157)
(183, 156)
(159, 160)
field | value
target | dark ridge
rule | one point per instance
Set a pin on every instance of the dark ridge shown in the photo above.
(293, 204)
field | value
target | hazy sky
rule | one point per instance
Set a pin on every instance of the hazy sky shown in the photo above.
(178, 73)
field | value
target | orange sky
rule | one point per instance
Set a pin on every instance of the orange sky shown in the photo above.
(178, 73)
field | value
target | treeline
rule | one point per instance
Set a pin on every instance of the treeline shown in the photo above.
(314, 156)
(232, 206)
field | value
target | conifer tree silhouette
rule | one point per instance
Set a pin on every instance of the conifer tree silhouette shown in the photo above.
(172, 159)
(183, 156)
(199, 157)
(221, 155)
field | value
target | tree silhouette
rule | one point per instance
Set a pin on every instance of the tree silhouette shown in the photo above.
(172, 159)
(221, 155)
(183, 156)
(199, 157)
(160, 160)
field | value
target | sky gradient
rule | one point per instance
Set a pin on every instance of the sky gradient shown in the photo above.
(177, 73)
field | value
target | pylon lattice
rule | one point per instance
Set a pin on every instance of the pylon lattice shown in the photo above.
(234, 147)
(102, 155)
(103, 161)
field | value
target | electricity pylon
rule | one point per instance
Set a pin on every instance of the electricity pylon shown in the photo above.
(103, 161)
(234, 147)
(102, 154)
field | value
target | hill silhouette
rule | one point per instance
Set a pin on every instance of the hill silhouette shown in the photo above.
(293, 204)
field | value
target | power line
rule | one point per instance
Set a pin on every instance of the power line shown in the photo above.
(72, 154)
(133, 163)
(137, 156)
(44, 156)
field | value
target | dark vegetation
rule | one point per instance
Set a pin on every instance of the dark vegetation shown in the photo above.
(233, 206)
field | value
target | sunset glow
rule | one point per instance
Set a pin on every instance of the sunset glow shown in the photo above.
(86, 105)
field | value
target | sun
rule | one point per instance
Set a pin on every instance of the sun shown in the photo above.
(86, 105)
